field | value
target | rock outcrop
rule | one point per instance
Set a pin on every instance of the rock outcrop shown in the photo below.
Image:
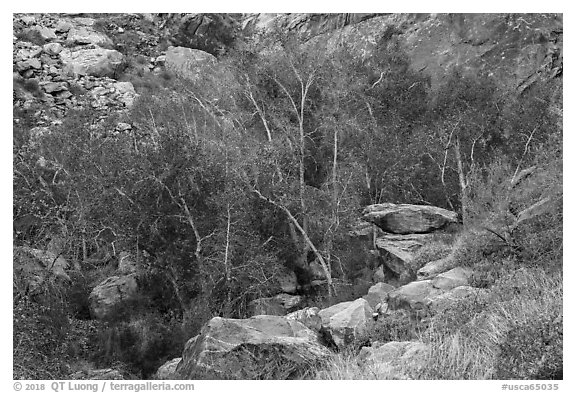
(408, 219)
(261, 347)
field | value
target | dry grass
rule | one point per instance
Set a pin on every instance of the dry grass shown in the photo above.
(514, 333)
(345, 366)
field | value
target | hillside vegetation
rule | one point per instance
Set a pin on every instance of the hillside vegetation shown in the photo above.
(258, 163)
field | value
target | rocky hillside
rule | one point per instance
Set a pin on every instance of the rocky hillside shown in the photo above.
(323, 196)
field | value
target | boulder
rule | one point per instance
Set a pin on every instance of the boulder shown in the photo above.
(63, 26)
(188, 63)
(399, 253)
(378, 294)
(412, 296)
(33, 268)
(261, 347)
(126, 93)
(276, 305)
(52, 48)
(111, 293)
(168, 370)
(83, 36)
(308, 317)
(347, 322)
(432, 269)
(96, 61)
(405, 219)
(452, 278)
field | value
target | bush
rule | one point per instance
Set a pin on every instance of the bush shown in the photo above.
(141, 343)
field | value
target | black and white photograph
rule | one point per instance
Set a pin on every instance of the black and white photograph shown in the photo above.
(286, 196)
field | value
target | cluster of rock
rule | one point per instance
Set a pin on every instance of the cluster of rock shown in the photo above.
(280, 347)
(71, 65)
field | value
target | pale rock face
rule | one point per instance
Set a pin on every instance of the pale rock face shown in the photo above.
(52, 48)
(261, 347)
(110, 293)
(188, 63)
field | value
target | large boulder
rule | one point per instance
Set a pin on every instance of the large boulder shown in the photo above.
(347, 322)
(91, 61)
(188, 63)
(399, 253)
(168, 370)
(261, 347)
(33, 268)
(107, 296)
(275, 305)
(412, 296)
(405, 219)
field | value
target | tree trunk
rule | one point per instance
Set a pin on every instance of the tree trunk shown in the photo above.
(227, 269)
(463, 184)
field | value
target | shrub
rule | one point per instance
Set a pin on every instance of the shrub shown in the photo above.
(141, 343)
